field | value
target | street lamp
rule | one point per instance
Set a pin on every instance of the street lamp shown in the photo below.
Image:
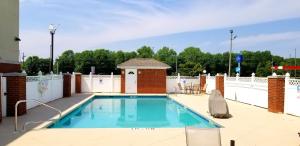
(232, 37)
(52, 29)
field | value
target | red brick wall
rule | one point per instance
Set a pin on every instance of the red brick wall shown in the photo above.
(220, 84)
(276, 94)
(78, 83)
(67, 85)
(7, 67)
(151, 81)
(122, 81)
(202, 81)
(16, 90)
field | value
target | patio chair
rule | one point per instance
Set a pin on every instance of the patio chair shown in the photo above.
(196, 88)
(202, 136)
(188, 88)
(181, 89)
(184, 89)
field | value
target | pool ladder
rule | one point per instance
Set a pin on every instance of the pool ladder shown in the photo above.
(33, 122)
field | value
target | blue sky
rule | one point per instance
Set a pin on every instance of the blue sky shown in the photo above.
(128, 24)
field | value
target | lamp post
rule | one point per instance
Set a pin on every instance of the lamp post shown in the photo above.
(232, 37)
(52, 30)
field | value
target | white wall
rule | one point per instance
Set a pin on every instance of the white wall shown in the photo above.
(250, 90)
(9, 29)
(292, 96)
(43, 88)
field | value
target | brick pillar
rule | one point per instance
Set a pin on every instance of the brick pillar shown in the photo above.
(16, 90)
(67, 85)
(276, 94)
(202, 81)
(78, 82)
(220, 84)
(123, 81)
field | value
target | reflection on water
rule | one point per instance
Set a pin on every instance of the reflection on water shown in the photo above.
(131, 112)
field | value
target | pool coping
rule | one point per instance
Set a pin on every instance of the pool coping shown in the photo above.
(56, 118)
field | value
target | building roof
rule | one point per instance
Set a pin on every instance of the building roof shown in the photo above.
(143, 63)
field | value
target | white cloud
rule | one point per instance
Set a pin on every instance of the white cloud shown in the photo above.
(100, 22)
(264, 38)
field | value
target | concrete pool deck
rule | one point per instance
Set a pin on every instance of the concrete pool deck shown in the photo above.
(249, 126)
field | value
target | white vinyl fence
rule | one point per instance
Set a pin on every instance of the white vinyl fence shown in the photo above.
(292, 96)
(251, 90)
(101, 83)
(112, 83)
(172, 82)
(211, 83)
(43, 88)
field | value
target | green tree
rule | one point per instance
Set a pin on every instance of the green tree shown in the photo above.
(188, 59)
(66, 62)
(104, 61)
(264, 69)
(84, 61)
(34, 64)
(145, 52)
(44, 65)
(167, 56)
(31, 65)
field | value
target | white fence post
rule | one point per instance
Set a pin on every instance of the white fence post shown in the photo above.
(91, 81)
(237, 77)
(252, 78)
(178, 78)
(287, 80)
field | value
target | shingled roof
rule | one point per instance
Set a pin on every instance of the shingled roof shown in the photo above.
(143, 63)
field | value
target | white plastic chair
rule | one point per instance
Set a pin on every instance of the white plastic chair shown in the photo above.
(202, 136)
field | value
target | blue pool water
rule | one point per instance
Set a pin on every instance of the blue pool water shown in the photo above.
(131, 112)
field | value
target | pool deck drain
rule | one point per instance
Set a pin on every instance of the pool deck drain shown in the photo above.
(249, 126)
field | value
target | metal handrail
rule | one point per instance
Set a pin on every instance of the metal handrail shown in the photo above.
(37, 101)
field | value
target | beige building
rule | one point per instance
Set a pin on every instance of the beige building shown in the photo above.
(9, 35)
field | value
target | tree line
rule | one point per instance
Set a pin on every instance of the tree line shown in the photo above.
(191, 61)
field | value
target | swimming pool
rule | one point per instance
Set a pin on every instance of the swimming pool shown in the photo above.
(132, 112)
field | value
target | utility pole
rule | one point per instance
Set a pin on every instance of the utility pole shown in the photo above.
(231, 39)
(295, 62)
(23, 58)
(272, 65)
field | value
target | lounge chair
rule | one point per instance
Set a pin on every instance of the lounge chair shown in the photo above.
(184, 89)
(181, 88)
(217, 105)
(202, 136)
